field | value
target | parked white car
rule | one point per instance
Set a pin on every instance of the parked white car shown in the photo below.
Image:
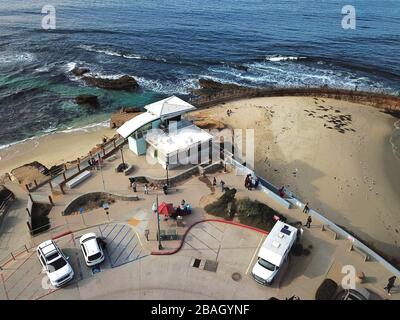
(91, 249)
(54, 263)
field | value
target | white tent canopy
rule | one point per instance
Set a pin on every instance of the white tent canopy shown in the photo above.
(136, 123)
(169, 107)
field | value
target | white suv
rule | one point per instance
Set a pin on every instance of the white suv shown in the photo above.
(92, 252)
(54, 263)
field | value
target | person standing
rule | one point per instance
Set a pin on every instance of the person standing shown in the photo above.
(247, 182)
(390, 285)
(214, 183)
(282, 192)
(165, 189)
(146, 189)
(308, 223)
(306, 208)
(222, 183)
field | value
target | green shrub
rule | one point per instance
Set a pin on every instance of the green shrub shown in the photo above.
(256, 214)
(326, 290)
(220, 207)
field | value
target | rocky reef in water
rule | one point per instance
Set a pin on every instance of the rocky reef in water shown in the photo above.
(126, 83)
(210, 87)
(87, 99)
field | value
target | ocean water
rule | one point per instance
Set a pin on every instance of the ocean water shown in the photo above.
(168, 45)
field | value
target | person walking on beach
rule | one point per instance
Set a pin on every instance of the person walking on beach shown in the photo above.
(306, 208)
(390, 285)
(146, 189)
(308, 223)
(222, 183)
(134, 186)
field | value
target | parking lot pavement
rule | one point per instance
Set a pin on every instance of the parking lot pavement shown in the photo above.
(231, 250)
(26, 280)
(123, 244)
(204, 240)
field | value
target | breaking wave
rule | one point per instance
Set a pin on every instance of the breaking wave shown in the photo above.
(121, 54)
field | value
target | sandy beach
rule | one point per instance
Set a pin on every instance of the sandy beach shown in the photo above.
(53, 149)
(334, 154)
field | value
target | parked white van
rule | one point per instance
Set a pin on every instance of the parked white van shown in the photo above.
(274, 252)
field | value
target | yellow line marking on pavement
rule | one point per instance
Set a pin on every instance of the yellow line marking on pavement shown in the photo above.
(134, 222)
(140, 241)
(255, 252)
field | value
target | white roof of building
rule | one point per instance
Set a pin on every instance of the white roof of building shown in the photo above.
(277, 242)
(177, 139)
(135, 123)
(169, 107)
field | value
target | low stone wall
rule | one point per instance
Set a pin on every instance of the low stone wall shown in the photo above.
(214, 167)
(378, 100)
(172, 180)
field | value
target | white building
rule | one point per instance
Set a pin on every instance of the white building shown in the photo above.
(162, 133)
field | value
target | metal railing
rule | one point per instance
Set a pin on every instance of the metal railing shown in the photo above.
(12, 256)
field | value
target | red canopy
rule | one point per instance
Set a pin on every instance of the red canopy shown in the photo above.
(166, 209)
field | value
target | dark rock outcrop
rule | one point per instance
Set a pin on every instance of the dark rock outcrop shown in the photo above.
(79, 72)
(123, 83)
(211, 87)
(87, 99)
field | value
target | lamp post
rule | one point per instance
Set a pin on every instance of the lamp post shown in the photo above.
(101, 170)
(166, 167)
(155, 210)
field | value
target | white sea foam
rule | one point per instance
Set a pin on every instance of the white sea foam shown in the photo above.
(283, 58)
(13, 57)
(42, 69)
(110, 52)
(168, 87)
